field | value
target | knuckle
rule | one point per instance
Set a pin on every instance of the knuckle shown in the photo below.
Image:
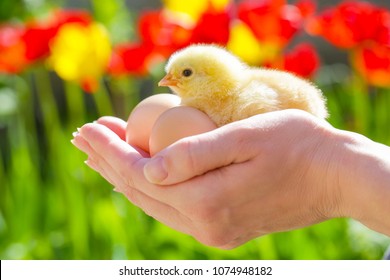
(132, 195)
(245, 139)
(128, 178)
(186, 148)
(242, 139)
(186, 156)
(127, 172)
(137, 199)
(193, 157)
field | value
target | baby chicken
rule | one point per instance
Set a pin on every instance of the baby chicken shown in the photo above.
(216, 82)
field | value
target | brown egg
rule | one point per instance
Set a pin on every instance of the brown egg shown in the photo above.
(143, 117)
(176, 123)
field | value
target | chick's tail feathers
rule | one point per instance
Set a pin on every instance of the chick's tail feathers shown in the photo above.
(292, 92)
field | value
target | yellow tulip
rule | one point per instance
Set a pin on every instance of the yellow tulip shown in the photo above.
(194, 9)
(244, 44)
(80, 53)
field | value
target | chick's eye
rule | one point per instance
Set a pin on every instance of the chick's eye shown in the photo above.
(187, 72)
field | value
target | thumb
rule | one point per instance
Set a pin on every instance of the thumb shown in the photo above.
(196, 155)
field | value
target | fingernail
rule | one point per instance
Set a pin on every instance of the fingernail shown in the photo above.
(155, 170)
(88, 163)
(77, 132)
(91, 165)
(73, 142)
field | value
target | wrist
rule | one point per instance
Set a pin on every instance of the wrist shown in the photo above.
(364, 181)
(326, 166)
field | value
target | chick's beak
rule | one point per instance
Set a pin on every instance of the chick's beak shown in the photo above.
(168, 81)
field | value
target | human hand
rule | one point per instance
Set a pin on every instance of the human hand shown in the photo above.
(264, 174)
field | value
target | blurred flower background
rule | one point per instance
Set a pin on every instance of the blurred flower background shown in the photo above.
(64, 63)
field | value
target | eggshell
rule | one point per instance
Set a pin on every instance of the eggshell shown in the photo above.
(144, 115)
(176, 123)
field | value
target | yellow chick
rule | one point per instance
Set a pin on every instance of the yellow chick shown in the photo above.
(216, 82)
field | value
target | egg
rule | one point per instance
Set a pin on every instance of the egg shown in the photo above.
(143, 117)
(176, 123)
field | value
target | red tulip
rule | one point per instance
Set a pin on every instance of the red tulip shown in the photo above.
(271, 21)
(132, 58)
(165, 33)
(157, 30)
(303, 60)
(160, 36)
(212, 27)
(306, 7)
(373, 63)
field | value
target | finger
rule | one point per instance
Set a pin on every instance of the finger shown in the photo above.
(119, 158)
(109, 153)
(196, 155)
(97, 162)
(160, 211)
(79, 142)
(200, 198)
(93, 159)
(91, 163)
(125, 166)
(100, 165)
(117, 125)
(103, 141)
(156, 209)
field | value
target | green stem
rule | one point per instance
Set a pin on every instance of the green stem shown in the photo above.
(361, 108)
(76, 106)
(125, 95)
(46, 99)
(103, 102)
(382, 115)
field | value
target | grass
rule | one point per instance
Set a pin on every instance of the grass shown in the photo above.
(53, 207)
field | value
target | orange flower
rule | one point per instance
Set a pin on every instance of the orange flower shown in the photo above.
(373, 63)
(158, 30)
(21, 46)
(12, 49)
(352, 23)
(365, 29)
